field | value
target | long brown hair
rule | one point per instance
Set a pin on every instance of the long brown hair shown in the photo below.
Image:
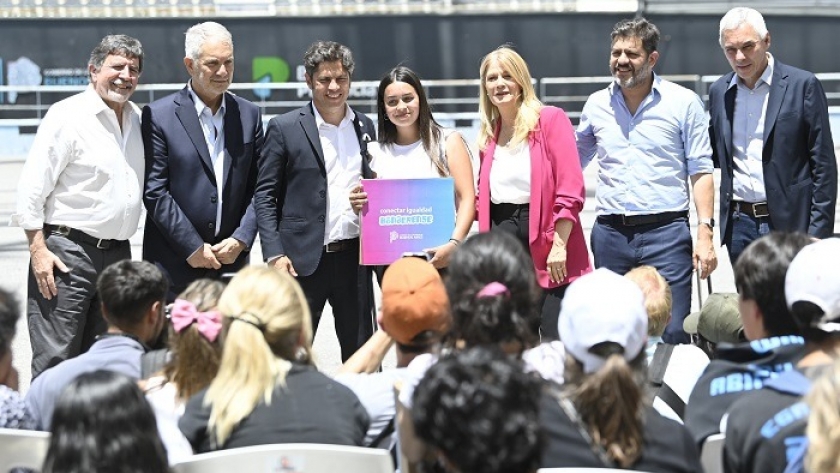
(611, 401)
(195, 360)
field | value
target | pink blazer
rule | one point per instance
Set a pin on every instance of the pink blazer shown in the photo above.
(557, 191)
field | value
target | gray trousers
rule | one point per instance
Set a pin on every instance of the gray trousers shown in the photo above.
(68, 324)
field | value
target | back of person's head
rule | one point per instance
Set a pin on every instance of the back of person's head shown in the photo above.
(128, 289)
(267, 327)
(657, 294)
(480, 410)
(9, 315)
(493, 292)
(823, 428)
(415, 307)
(603, 325)
(760, 277)
(812, 290)
(103, 424)
(194, 341)
(718, 321)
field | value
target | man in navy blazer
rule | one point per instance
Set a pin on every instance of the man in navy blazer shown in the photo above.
(313, 158)
(771, 139)
(202, 145)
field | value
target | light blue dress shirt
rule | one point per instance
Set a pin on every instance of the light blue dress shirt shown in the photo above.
(748, 130)
(645, 159)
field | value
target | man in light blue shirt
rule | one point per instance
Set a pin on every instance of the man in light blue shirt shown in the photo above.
(650, 138)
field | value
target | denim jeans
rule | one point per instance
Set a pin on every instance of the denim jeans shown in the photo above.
(745, 230)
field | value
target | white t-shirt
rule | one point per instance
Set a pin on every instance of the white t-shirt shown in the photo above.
(684, 368)
(510, 176)
(163, 397)
(401, 162)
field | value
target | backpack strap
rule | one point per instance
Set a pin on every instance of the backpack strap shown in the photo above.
(659, 364)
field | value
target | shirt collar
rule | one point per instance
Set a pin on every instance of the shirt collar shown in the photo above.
(348, 117)
(766, 76)
(200, 105)
(96, 105)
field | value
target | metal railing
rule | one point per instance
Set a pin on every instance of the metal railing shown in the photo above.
(455, 99)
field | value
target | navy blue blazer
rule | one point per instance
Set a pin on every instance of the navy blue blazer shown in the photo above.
(180, 193)
(291, 195)
(800, 169)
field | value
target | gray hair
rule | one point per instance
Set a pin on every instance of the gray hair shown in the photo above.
(639, 28)
(116, 44)
(327, 51)
(742, 16)
(201, 33)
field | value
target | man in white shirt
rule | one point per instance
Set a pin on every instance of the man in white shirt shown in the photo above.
(312, 158)
(79, 201)
(202, 144)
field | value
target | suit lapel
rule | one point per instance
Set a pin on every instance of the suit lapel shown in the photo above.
(233, 135)
(774, 101)
(729, 117)
(189, 120)
(307, 121)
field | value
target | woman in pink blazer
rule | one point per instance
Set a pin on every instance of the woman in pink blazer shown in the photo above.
(530, 181)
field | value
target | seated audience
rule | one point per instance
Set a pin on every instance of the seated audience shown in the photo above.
(600, 418)
(673, 369)
(13, 411)
(479, 410)
(195, 351)
(493, 296)
(765, 428)
(103, 424)
(774, 342)
(415, 314)
(133, 298)
(267, 389)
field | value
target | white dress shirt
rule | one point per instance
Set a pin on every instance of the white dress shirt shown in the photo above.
(83, 171)
(748, 136)
(213, 127)
(343, 161)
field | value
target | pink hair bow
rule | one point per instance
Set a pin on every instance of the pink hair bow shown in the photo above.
(493, 289)
(184, 314)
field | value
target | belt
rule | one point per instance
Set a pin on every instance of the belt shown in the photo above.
(82, 237)
(648, 219)
(755, 210)
(341, 245)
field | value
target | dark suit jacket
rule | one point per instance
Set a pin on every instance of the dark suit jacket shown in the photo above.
(180, 192)
(800, 169)
(291, 195)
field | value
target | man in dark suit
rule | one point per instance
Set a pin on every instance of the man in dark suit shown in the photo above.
(771, 139)
(202, 145)
(313, 158)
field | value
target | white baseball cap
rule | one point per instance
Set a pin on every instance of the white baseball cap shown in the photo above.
(602, 307)
(814, 276)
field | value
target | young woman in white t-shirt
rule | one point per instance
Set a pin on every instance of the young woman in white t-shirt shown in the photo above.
(412, 145)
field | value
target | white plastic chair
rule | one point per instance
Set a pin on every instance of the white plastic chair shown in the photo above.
(290, 458)
(22, 449)
(711, 455)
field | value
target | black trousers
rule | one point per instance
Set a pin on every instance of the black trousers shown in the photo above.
(513, 218)
(348, 287)
(68, 324)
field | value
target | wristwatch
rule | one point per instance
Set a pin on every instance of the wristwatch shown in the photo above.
(709, 222)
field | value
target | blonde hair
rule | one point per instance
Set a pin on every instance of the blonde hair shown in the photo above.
(265, 314)
(657, 294)
(823, 428)
(529, 105)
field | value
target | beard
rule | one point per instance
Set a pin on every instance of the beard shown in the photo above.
(638, 76)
